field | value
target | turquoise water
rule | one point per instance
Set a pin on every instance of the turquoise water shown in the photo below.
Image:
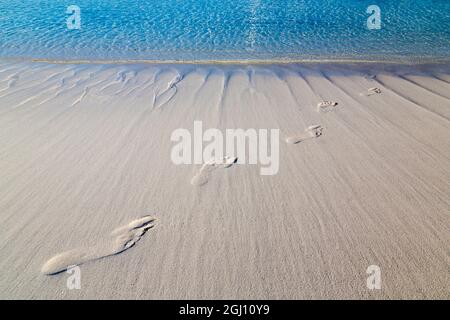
(225, 30)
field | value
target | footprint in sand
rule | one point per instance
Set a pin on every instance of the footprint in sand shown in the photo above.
(205, 172)
(311, 132)
(120, 239)
(326, 105)
(372, 91)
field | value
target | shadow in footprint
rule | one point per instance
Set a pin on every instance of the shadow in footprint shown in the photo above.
(206, 170)
(121, 239)
(311, 132)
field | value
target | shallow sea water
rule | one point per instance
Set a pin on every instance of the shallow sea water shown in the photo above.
(225, 30)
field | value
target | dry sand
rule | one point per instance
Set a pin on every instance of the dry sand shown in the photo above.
(85, 148)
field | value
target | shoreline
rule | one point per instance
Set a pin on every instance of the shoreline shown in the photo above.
(237, 62)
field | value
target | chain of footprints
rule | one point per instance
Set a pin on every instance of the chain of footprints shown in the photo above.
(125, 237)
(316, 130)
(312, 131)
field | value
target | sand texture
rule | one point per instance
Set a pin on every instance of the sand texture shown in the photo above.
(364, 179)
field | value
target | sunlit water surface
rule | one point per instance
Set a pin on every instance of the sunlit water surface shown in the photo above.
(225, 30)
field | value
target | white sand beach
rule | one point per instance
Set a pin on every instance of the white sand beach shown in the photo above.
(85, 153)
